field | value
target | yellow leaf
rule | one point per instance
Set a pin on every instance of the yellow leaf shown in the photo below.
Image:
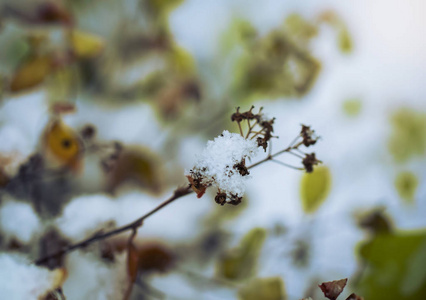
(61, 145)
(86, 45)
(314, 188)
(31, 73)
(240, 263)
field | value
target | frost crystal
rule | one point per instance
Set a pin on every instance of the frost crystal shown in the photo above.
(222, 165)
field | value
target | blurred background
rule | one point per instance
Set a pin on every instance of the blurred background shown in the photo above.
(105, 104)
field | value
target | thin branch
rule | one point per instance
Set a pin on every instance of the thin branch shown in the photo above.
(180, 192)
(287, 165)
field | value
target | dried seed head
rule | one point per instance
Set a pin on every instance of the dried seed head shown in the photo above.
(308, 135)
(309, 162)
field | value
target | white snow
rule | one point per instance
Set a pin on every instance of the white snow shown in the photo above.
(90, 278)
(19, 220)
(215, 164)
(20, 280)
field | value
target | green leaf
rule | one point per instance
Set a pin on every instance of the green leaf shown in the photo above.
(406, 184)
(263, 288)
(394, 266)
(241, 263)
(314, 188)
(352, 107)
(345, 41)
(408, 138)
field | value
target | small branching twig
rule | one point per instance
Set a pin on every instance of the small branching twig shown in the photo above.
(263, 139)
(180, 192)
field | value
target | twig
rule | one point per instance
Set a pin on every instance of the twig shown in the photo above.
(180, 192)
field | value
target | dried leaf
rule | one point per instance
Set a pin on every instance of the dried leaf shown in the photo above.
(333, 289)
(155, 257)
(132, 262)
(136, 165)
(353, 296)
(31, 74)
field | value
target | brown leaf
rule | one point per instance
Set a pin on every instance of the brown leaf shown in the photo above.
(354, 297)
(132, 262)
(155, 257)
(138, 166)
(196, 187)
(332, 289)
(31, 73)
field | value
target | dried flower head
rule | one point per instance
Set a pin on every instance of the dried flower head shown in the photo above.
(261, 129)
(309, 162)
(308, 135)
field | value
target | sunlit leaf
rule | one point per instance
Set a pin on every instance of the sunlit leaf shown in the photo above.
(408, 138)
(314, 188)
(394, 266)
(86, 45)
(241, 263)
(31, 73)
(406, 184)
(263, 288)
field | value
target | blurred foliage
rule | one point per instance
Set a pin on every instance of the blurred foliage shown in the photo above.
(263, 288)
(278, 64)
(241, 263)
(314, 188)
(85, 45)
(344, 39)
(406, 184)
(408, 138)
(375, 221)
(138, 166)
(31, 73)
(352, 107)
(394, 266)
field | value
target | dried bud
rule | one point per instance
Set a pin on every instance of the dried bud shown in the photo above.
(309, 162)
(195, 180)
(308, 136)
(88, 132)
(241, 168)
(261, 142)
(220, 198)
(235, 200)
